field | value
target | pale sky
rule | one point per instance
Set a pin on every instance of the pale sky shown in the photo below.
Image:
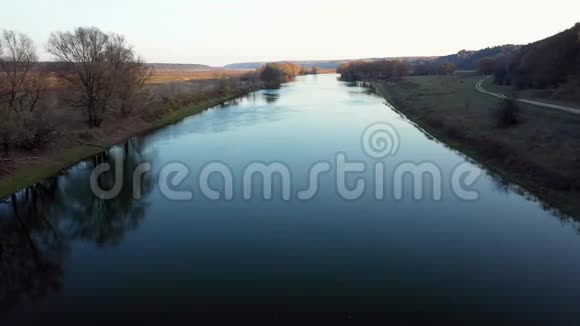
(219, 32)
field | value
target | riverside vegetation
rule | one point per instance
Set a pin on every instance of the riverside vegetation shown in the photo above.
(94, 95)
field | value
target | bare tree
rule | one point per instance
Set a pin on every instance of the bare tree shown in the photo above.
(128, 76)
(84, 52)
(21, 83)
(102, 70)
(21, 88)
(3, 92)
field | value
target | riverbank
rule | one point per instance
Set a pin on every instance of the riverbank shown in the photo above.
(541, 153)
(27, 171)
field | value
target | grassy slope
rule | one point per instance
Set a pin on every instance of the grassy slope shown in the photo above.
(28, 175)
(541, 154)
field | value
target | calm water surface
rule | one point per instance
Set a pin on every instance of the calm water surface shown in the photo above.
(66, 254)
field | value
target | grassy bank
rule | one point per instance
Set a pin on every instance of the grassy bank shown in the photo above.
(28, 174)
(541, 154)
(566, 95)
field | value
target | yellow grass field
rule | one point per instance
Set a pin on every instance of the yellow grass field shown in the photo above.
(169, 76)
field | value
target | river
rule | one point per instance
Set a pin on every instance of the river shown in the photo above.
(459, 250)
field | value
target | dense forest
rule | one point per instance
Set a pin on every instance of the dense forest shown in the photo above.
(546, 63)
(378, 69)
(469, 60)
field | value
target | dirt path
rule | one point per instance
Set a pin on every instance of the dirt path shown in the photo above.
(479, 87)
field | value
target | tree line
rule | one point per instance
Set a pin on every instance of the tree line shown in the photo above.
(430, 68)
(273, 74)
(99, 72)
(312, 71)
(378, 69)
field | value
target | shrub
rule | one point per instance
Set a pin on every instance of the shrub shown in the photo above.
(507, 114)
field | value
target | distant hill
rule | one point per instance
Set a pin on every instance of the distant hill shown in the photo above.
(332, 64)
(546, 63)
(469, 60)
(322, 64)
(179, 67)
(244, 65)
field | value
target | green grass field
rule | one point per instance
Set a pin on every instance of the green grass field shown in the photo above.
(541, 153)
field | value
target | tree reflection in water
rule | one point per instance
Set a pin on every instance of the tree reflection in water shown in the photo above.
(271, 97)
(38, 224)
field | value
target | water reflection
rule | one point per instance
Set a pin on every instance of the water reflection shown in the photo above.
(233, 102)
(32, 249)
(271, 97)
(38, 224)
(106, 221)
(250, 110)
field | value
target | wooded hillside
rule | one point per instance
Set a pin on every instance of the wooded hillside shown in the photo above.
(546, 63)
